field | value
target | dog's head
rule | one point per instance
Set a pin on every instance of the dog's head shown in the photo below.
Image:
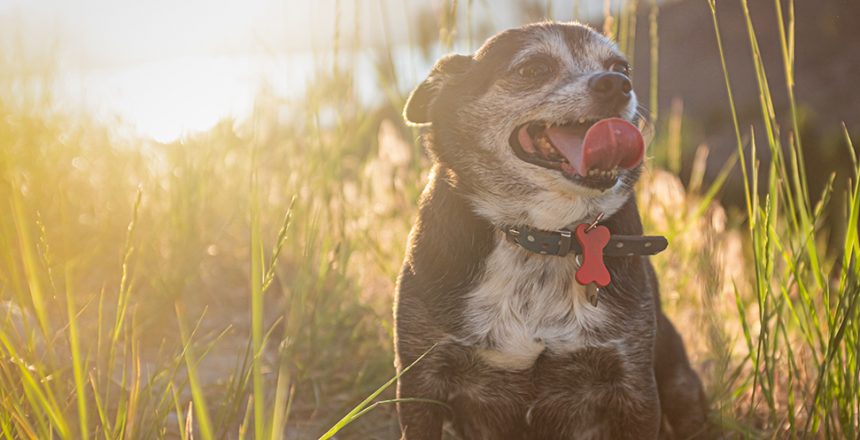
(510, 122)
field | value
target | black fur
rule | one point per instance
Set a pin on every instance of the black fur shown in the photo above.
(593, 392)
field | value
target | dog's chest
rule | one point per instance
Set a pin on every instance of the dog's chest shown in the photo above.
(526, 303)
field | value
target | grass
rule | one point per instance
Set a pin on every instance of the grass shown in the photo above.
(237, 283)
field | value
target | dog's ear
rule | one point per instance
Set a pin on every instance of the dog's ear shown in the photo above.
(417, 110)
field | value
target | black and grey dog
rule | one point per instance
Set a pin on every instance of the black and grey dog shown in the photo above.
(516, 347)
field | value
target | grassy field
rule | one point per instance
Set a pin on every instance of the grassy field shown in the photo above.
(238, 283)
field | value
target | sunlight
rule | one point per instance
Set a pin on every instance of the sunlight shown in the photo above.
(170, 98)
(164, 69)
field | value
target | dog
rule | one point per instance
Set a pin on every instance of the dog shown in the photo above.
(511, 339)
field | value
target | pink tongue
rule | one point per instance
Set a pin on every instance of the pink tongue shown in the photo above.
(608, 143)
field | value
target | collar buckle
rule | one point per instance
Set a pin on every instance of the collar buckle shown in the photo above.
(511, 234)
(564, 242)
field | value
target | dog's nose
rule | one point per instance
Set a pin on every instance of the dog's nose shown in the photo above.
(610, 86)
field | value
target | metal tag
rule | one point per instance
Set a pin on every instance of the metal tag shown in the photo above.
(592, 292)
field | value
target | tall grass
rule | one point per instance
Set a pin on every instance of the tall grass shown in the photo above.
(803, 358)
(237, 283)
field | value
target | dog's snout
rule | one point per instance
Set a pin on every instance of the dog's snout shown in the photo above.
(610, 86)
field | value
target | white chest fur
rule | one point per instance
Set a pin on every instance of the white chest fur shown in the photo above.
(527, 303)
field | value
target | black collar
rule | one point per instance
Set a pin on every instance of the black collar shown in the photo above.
(563, 242)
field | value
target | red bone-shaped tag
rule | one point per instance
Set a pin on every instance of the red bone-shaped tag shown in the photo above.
(592, 269)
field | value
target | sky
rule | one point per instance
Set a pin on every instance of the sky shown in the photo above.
(165, 68)
(110, 32)
(104, 33)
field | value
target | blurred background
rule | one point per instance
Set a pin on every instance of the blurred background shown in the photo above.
(206, 203)
(168, 69)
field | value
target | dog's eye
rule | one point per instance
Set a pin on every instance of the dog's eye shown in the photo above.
(619, 66)
(534, 69)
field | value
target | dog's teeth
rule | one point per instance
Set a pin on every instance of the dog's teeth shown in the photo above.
(582, 120)
(544, 144)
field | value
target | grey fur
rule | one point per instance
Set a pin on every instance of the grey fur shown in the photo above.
(518, 351)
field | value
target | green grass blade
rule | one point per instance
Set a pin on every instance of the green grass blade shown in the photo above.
(353, 415)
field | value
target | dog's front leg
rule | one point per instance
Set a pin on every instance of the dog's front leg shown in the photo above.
(681, 396)
(417, 360)
(419, 420)
(595, 393)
